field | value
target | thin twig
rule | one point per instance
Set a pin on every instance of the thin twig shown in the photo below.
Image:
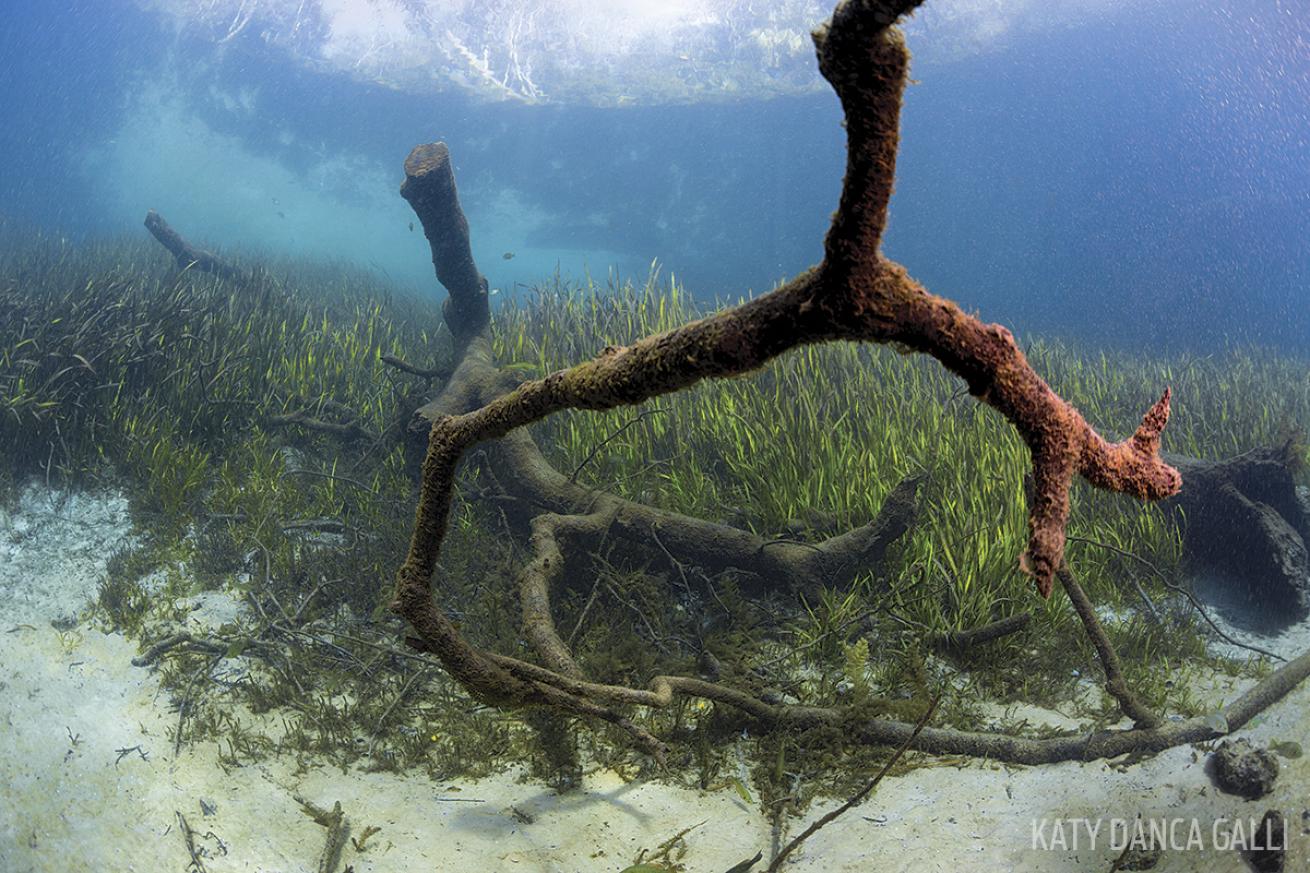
(190, 837)
(656, 638)
(573, 477)
(377, 728)
(1178, 589)
(1115, 684)
(796, 650)
(186, 696)
(682, 571)
(335, 478)
(595, 589)
(858, 796)
(612, 484)
(1141, 592)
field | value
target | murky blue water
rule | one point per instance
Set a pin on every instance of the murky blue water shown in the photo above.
(1135, 172)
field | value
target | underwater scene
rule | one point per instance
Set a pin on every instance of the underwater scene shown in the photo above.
(622, 436)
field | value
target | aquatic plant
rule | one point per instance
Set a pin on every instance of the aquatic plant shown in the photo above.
(843, 512)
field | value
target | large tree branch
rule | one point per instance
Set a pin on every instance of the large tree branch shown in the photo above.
(664, 690)
(714, 548)
(854, 294)
(188, 255)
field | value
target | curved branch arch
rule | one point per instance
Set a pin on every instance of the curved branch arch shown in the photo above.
(854, 294)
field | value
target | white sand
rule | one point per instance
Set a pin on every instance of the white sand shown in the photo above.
(68, 806)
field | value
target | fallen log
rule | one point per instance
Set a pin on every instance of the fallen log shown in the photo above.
(187, 255)
(1245, 527)
(958, 643)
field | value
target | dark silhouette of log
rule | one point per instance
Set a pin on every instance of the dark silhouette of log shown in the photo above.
(1246, 523)
(429, 187)
(187, 255)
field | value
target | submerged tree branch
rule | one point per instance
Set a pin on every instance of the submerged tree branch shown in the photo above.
(1114, 679)
(854, 294)
(188, 255)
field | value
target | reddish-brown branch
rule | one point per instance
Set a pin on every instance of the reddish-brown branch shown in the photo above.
(854, 294)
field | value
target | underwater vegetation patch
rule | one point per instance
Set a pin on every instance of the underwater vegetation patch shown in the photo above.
(303, 526)
(763, 583)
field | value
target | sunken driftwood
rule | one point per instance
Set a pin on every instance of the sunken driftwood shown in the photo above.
(187, 255)
(853, 294)
(959, 643)
(430, 190)
(1244, 518)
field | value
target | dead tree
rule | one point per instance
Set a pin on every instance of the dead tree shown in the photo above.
(1244, 520)
(854, 294)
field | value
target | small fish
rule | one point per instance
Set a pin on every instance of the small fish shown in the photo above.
(281, 214)
(742, 791)
(509, 256)
(411, 227)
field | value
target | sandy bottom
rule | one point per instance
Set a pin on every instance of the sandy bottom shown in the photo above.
(72, 799)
